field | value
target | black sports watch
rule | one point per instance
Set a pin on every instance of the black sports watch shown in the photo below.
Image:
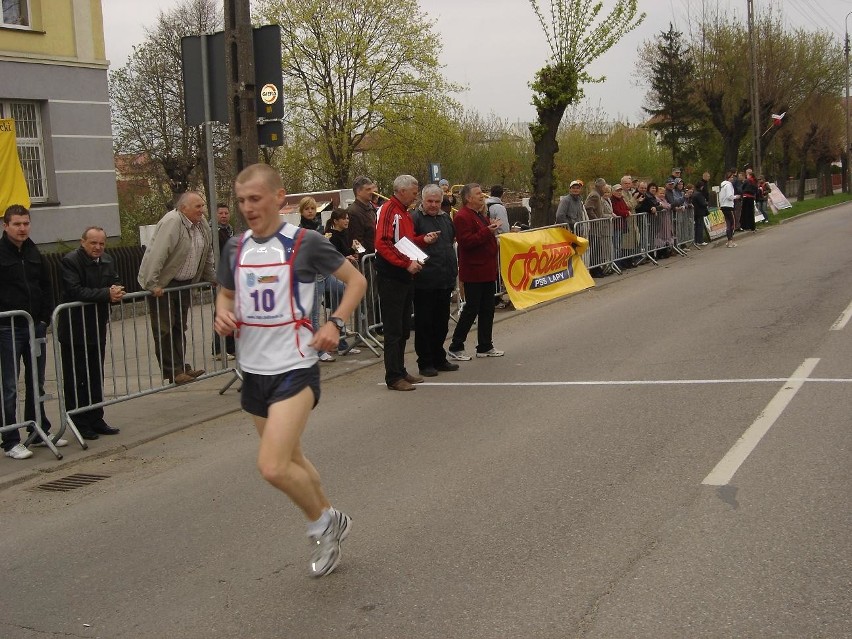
(339, 323)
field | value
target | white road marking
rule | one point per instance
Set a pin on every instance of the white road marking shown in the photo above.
(843, 319)
(651, 382)
(723, 472)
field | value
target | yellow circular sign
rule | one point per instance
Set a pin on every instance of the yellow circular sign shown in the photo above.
(269, 94)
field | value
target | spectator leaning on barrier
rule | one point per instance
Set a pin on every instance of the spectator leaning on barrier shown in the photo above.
(88, 275)
(700, 210)
(496, 209)
(268, 294)
(571, 208)
(25, 287)
(181, 253)
(362, 215)
(394, 273)
(477, 250)
(225, 232)
(599, 207)
(434, 284)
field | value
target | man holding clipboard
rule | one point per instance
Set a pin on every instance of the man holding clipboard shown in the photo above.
(398, 260)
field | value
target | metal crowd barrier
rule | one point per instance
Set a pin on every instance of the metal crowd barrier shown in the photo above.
(127, 356)
(11, 358)
(599, 232)
(328, 293)
(684, 224)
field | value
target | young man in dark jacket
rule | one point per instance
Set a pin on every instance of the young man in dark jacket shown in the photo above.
(434, 285)
(88, 275)
(25, 286)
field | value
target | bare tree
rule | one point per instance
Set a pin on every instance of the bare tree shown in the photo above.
(147, 100)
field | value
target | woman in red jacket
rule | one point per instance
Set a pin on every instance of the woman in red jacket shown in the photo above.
(477, 248)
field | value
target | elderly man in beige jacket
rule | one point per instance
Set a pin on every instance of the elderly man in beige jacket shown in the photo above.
(180, 253)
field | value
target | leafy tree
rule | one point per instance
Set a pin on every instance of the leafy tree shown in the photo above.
(575, 41)
(352, 68)
(146, 97)
(668, 67)
(792, 67)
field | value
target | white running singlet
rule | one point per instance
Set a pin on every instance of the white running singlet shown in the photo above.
(272, 307)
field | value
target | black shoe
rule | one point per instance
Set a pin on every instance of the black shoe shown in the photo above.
(87, 433)
(445, 367)
(428, 372)
(105, 429)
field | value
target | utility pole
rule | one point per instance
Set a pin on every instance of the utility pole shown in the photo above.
(755, 101)
(848, 181)
(239, 66)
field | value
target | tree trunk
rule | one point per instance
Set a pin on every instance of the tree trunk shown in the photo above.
(824, 186)
(800, 193)
(844, 173)
(544, 134)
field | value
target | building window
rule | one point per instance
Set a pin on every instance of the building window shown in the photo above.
(15, 13)
(27, 117)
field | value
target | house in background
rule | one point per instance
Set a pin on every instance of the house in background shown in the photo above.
(53, 83)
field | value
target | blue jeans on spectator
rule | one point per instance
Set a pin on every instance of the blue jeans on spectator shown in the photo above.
(329, 289)
(15, 345)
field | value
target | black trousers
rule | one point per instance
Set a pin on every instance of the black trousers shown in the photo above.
(431, 325)
(82, 369)
(747, 214)
(479, 306)
(395, 299)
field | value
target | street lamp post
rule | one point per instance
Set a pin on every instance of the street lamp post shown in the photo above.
(846, 49)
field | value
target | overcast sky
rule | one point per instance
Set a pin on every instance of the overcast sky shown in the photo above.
(494, 47)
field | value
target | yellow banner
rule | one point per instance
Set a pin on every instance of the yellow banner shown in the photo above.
(13, 186)
(542, 265)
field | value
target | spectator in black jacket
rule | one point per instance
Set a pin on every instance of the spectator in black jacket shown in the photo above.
(699, 211)
(25, 287)
(225, 232)
(88, 275)
(434, 284)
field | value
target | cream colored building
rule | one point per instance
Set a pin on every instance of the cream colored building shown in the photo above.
(53, 83)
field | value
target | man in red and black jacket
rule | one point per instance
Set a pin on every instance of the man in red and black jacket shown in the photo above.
(395, 278)
(477, 247)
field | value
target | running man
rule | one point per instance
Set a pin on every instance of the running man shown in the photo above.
(266, 293)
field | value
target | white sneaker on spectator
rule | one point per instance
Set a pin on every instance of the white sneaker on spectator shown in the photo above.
(59, 443)
(351, 351)
(19, 452)
(492, 353)
(327, 357)
(459, 356)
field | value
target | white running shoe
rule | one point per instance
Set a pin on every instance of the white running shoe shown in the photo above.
(351, 351)
(326, 554)
(459, 356)
(19, 452)
(327, 357)
(492, 353)
(59, 443)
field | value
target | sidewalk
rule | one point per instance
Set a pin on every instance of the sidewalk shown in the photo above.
(147, 418)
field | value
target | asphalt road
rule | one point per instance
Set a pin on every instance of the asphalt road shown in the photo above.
(560, 491)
